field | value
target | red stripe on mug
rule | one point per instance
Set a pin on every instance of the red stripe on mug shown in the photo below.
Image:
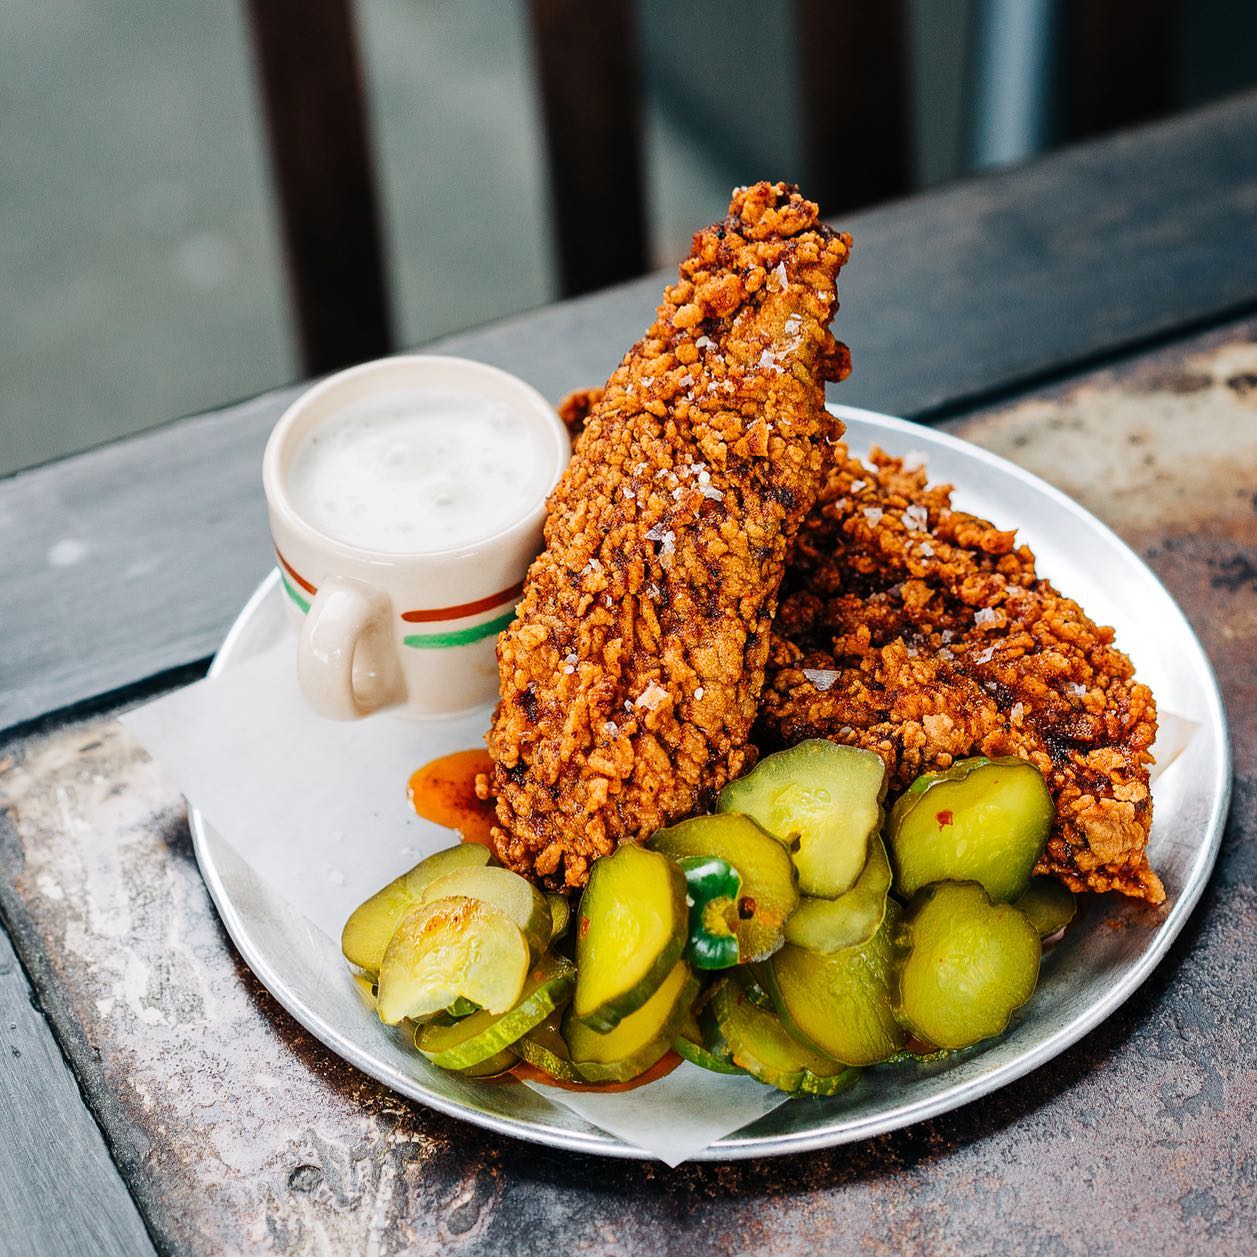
(464, 608)
(292, 571)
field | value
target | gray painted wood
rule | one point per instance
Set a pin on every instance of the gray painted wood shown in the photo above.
(59, 1190)
(133, 559)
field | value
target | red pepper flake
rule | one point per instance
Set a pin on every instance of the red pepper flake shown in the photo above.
(583, 928)
(943, 818)
(746, 907)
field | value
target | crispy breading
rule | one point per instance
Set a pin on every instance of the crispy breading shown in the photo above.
(631, 675)
(925, 634)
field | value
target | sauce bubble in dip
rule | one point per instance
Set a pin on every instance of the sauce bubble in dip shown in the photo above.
(416, 470)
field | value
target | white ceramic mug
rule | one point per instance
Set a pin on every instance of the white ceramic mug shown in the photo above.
(414, 633)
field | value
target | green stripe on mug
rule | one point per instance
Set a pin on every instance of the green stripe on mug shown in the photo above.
(459, 637)
(291, 591)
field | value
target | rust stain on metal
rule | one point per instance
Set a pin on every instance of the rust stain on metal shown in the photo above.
(239, 1133)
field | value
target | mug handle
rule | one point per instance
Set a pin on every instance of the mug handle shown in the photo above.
(346, 659)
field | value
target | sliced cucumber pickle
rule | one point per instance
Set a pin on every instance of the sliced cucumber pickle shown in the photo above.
(640, 1039)
(1049, 905)
(824, 801)
(462, 1008)
(366, 988)
(965, 964)
(371, 924)
(694, 1045)
(631, 930)
(840, 1002)
(560, 914)
(981, 820)
(766, 1050)
(450, 948)
(829, 925)
(544, 1049)
(518, 898)
(494, 1067)
(468, 1042)
(770, 891)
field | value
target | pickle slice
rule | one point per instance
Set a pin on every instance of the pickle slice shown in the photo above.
(472, 1040)
(450, 948)
(1049, 905)
(828, 925)
(698, 1055)
(544, 1049)
(965, 964)
(640, 1039)
(841, 1002)
(631, 930)
(519, 899)
(366, 988)
(494, 1067)
(371, 924)
(770, 891)
(560, 914)
(702, 1044)
(462, 1008)
(766, 1050)
(981, 820)
(824, 801)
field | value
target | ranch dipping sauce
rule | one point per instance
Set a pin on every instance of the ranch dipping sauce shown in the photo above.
(418, 470)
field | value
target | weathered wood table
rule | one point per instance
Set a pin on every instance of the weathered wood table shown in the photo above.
(1092, 317)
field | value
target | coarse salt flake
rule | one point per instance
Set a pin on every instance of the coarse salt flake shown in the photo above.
(873, 514)
(857, 485)
(916, 518)
(652, 696)
(985, 656)
(1076, 690)
(705, 342)
(821, 678)
(710, 491)
(985, 615)
(1017, 710)
(779, 274)
(698, 693)
(611, 729)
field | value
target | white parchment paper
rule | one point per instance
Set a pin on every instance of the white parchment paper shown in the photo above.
(318, 809)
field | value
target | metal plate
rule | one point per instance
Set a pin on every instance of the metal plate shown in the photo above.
(1112, 947)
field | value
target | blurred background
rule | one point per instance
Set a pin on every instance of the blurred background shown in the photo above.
(202, 200)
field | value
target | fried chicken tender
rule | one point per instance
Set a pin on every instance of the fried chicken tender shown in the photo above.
(631, 675)
(924, 634)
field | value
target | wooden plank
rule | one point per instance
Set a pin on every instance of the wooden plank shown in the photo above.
(239, 1132)
(310, 80)
(60, 1191)
(590, 86)
(134, 558)
(856, 95)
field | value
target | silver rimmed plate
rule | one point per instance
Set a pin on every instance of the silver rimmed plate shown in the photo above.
(1084, 978)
